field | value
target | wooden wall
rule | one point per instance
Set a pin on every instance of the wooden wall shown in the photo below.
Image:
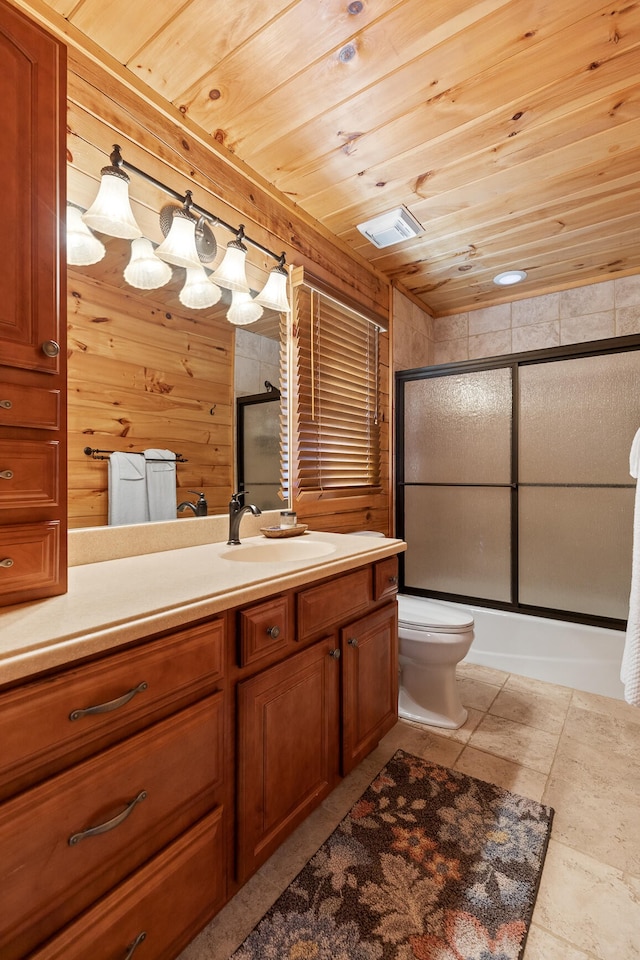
(145, 374)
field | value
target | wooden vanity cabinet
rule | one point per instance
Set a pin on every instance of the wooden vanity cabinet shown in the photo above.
(33, 494)
(312, 716)
(287, 749)
(369, 649)
(136, 740)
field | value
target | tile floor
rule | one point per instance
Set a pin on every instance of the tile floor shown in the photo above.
(576, 751)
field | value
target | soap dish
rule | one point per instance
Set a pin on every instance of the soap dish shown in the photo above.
(277, 532)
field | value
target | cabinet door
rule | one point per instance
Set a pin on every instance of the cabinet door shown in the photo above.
(287, 749)
(32, 93)
(369, 683)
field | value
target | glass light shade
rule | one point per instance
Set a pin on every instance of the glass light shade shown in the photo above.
(199, 292)
(82, 247)
(144, 270)
(243, 309)
(179, 246)
(111, 212)
(274, 293)
(231, 273)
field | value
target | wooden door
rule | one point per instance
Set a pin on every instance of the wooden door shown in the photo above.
(369, 683)
(287, 749)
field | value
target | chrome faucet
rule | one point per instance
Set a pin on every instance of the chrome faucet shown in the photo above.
(236, 510)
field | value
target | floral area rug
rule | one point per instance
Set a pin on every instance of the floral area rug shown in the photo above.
(429, 864)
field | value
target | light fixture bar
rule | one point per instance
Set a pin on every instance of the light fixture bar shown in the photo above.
(117, 160)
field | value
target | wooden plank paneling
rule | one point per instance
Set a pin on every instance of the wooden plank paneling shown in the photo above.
(308, 118)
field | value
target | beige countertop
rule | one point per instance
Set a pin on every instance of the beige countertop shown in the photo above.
(114, 601)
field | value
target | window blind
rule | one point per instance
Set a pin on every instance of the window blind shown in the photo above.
(337, 370)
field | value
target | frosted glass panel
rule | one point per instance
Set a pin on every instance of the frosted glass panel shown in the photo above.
(261, 453)
(578, 419)
(458, 428)
(575, 549)
(458, 541)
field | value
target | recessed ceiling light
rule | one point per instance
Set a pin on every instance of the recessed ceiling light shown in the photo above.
(508, 277)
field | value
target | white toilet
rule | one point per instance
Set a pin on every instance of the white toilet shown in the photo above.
(433, 639)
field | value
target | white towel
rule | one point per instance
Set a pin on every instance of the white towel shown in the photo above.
(161, 484)
(127, 489)
(630, 671)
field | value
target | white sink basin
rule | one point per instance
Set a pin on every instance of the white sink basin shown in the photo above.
(278, 551)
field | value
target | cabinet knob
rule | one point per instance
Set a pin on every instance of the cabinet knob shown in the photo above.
(50, 348)
(6, 474)
(353, 641)
(6, 404)
(393, 580)
(335, 654)
(7, 562)
(273, 632)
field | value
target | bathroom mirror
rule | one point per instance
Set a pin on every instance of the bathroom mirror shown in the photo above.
(144, 371)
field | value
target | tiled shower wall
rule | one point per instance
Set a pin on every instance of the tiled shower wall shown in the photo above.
(594, 312)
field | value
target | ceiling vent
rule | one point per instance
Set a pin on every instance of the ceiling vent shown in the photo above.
(392, 227)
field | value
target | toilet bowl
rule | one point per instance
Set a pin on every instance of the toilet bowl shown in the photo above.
(433, 639)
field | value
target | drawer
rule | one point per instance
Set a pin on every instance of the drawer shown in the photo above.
(66, 843)
(47, 724)
(28, 474)
(265, 630)
(26, 406)
(385, 578)
(161, 907)
(330, 603)
(29, 561)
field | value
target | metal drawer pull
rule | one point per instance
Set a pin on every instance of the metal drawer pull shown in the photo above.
(111, 705)
(110, 824)
(7, 562)
(393, 580)
(353, 641)
(335, 654)
(136, 943)
(6, 474)
(273, 632)
(50, 348)
(7, 404)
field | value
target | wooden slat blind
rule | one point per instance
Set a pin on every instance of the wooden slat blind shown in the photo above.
(337, 421)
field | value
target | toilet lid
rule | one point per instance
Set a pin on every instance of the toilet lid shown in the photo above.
(421, 613)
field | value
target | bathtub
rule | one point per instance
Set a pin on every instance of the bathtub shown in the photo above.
(572, 654)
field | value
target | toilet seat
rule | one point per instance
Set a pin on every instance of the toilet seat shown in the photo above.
(417, 613)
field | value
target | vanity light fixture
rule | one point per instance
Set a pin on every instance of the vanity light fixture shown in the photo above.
(244, 309)
(231, 272)
(83, 248)
(509, 277)
(179, 246)
(111, 211)
(199, 292)
(273, 295)
(188, 243)
(145, 270)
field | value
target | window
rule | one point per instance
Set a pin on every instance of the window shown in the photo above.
(335, 436)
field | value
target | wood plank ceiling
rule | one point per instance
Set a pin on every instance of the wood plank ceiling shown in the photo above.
(509, 128)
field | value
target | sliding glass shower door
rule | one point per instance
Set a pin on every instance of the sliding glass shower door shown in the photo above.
(513, 481)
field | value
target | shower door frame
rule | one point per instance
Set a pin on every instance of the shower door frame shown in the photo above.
(514, 361)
